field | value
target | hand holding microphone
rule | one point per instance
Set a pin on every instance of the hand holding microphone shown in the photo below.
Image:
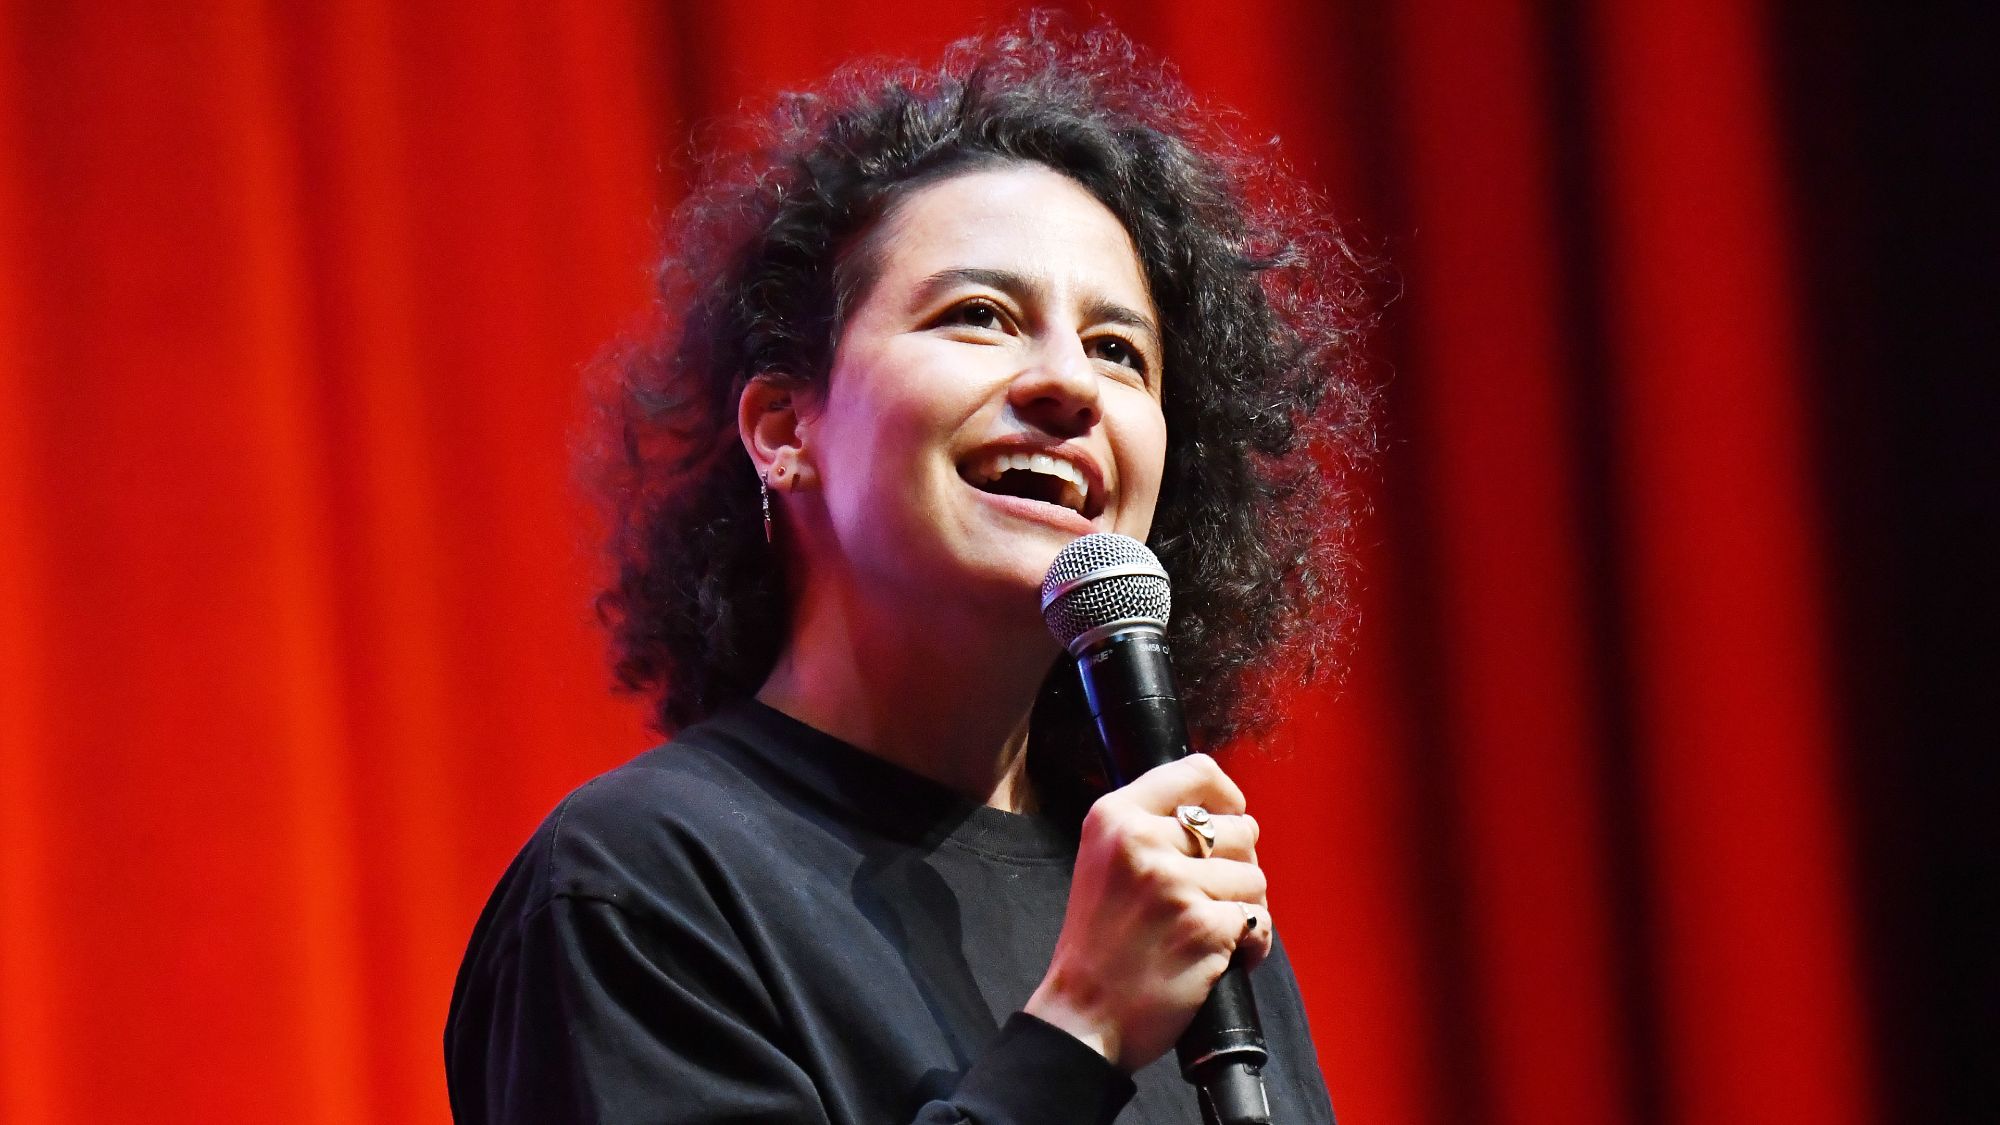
(1151, 923)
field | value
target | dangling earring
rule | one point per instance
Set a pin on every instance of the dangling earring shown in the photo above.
(764, 494)
(776, 472)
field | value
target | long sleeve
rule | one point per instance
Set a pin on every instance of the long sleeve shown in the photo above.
(581, 1016)
(571, 1017)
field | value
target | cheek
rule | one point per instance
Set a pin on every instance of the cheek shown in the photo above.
(884, 418)
(866, 405)
(915, 380)
(1142, 462)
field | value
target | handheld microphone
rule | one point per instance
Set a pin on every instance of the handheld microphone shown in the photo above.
(1106, 598)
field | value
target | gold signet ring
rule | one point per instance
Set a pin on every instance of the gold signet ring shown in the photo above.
(1196, 820)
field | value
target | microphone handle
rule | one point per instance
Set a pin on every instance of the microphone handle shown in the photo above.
(1128, 679)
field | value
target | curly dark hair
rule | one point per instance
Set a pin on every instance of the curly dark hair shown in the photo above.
(1262, 302)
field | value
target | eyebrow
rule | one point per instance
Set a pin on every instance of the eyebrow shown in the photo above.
(1096, 310)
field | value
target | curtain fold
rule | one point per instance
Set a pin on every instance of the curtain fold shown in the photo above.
(1720, 527)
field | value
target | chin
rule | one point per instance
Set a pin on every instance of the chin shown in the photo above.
(1007, 547)
(1005, 580)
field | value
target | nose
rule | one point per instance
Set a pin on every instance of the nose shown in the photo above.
(1057, 391)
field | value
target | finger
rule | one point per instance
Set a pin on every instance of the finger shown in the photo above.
(1239, 929)
(1235, 836)
(1254, 944)
(1226, 880)
(1194, 780)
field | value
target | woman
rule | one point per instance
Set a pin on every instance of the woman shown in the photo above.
(931, 326)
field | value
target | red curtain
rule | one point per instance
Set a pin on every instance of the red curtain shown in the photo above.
(295, 645)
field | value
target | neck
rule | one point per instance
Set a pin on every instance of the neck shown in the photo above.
(944, 698)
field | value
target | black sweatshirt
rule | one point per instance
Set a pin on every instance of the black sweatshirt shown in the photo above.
(760, 923)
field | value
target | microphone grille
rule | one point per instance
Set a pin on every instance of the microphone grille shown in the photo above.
(1102, 578)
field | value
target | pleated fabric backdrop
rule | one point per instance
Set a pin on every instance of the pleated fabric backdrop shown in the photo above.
(295, 645)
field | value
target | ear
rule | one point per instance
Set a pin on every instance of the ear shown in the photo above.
(772, 421)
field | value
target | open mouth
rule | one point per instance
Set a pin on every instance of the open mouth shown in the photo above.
(1032, 476)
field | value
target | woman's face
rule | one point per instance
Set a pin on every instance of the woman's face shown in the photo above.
(995, 394)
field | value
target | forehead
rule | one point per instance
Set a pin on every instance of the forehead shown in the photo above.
(1024, 218)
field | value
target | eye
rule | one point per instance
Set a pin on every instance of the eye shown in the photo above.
(976, 313)
(1118, 350)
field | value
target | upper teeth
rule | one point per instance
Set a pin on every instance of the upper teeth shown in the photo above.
(991, 467)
